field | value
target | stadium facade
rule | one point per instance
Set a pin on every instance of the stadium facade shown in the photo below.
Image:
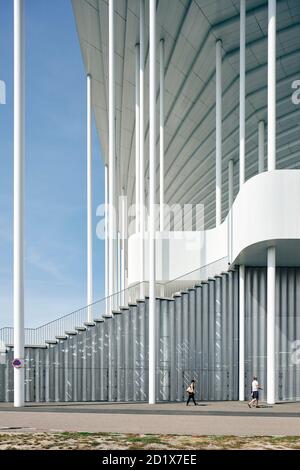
(197, 107)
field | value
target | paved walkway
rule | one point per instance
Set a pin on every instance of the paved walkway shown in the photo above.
(210, 418)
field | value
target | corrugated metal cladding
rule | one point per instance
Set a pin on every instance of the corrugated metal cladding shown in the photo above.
(287, 330)
(197, 337)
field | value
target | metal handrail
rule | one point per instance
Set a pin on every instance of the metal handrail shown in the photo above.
(97, 309)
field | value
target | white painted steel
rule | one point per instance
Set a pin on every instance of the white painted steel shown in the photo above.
(152, 187)
(271, 325)
(271, 85)
(18, 274)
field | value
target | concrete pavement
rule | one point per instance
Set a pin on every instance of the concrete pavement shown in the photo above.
(210, 418)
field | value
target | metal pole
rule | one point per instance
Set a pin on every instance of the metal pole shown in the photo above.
(18, 201)
(106, 239)
(142, 137)
(230, 183)
(111, 238)
(218, 132)
(152, 186)
(89, 201)
(162, 132)
(242, 89)
(137, 137)
(272, 86)
(123, 241)
(242, 334)
(271, 296)
(261, 146)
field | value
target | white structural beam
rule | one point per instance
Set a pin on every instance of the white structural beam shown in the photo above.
(152, 187)
(271, 297)
(18, 201)
(230, 183)
(111, 123)
(142, 145)
(218, 132)
(272, 85)
(242, 89)
(161, 132)
(137, 137)
(89, 201)
(106, 235)
(261, 146)
(242, 333)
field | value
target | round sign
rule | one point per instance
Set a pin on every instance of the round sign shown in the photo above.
(17, 363)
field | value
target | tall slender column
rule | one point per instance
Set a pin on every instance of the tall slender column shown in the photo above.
(242, 333)
(142, 146)
(18, 201)
(161, 131)
(261, 146)
(230, 202)
(242, 89)
(123, 243)
(106, 238)
(218, 132)
(152, 186)
(137, 138)
(89, 200)
(272, 86)
(271, 324)
(111, 118)
(230, 183)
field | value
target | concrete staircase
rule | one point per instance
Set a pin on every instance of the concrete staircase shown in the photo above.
(107, 359)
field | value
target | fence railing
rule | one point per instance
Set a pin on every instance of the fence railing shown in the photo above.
(58, 327)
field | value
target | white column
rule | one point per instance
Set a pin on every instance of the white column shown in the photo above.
(271, 325)
(111, 118)
(218, 132)
(137, 138)
(89, 201)
(152, 187)
(123, 242)
(261, 146)
(242, 333)
(230, 183)
(242, 89)
(161, 132)
(18, 201)
(142, 137)
(106, 238)
(272, 86)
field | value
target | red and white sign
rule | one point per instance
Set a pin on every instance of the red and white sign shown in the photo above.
(17, 363)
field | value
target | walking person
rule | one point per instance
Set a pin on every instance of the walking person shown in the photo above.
(191, 392)
(255, 387)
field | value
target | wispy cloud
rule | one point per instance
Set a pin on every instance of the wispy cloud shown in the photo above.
(48, 266)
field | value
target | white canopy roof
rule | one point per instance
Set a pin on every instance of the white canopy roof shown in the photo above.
(190, 29)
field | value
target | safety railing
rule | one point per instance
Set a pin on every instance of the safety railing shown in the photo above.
(77, 318)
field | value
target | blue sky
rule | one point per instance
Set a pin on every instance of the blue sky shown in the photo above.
(55, 162)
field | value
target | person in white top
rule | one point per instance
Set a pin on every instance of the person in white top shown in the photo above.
(255, 387)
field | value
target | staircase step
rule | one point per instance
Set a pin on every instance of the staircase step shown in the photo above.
(71, 333)
(89, 323)
(80, 328)
(61, 337)
(50, 341)
(116, 312)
